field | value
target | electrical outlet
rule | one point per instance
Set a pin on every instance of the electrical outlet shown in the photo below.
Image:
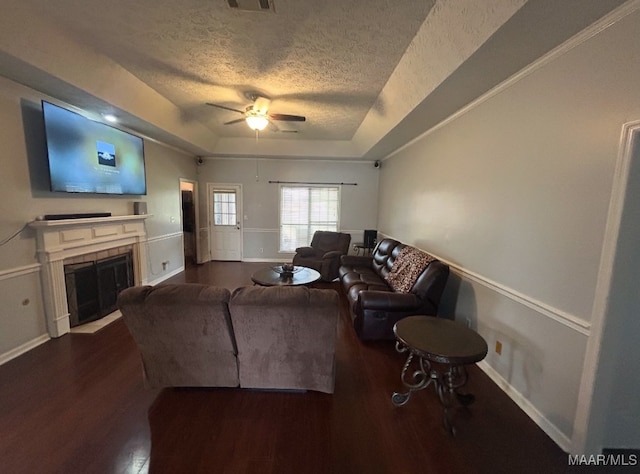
(498, 348)
(261, 250)
(468, 322)
(164, 265)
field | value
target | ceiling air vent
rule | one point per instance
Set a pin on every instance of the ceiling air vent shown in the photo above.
(252, 5)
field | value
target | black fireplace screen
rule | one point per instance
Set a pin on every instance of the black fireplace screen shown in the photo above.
(93, 287)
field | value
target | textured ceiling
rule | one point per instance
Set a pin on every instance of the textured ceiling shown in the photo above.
(326, 60)
(369, 75)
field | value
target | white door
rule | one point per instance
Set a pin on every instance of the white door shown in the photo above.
(225, 211)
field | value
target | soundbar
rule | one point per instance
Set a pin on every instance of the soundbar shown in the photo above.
(85, 215)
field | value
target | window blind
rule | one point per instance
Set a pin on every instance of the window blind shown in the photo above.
(304, 210)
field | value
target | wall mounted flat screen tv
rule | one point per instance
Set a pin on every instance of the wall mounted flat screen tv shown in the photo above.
(90, 157)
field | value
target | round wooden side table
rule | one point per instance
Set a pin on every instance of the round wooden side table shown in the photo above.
(429, 339)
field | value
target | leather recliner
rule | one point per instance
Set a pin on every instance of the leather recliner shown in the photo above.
(324, 253)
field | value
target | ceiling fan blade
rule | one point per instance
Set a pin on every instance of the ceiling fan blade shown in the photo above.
(225, 108)
(234, 121)
(288, 118)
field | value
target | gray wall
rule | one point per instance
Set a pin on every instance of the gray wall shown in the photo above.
(514, 193)
(24, 195)
(358, 207)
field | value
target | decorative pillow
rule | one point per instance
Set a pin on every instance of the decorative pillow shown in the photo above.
(406, 269)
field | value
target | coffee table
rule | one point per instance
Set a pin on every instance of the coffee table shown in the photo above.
(442, 341)
(269, 277)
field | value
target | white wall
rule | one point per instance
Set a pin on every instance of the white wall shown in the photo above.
(165, 167)
(514, 193)
(358, 208)
(24, 195)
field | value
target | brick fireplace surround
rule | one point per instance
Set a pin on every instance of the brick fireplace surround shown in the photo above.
(63, 241)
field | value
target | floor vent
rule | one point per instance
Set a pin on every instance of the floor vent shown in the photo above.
(252, 5)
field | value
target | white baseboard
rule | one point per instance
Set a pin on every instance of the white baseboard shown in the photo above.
(166, 276)
(549, 428)
(21, 349)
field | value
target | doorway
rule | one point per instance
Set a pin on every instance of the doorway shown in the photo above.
(224, 214)
(189, 215)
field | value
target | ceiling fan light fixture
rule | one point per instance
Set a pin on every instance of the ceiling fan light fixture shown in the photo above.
(257, 122)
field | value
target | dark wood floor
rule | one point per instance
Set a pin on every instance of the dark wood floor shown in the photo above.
(77, 404)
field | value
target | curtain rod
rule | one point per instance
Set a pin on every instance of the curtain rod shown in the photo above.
(309, 182)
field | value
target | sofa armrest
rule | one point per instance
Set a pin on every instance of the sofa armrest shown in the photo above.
(356, 261)
(306, 251)
(331, 255)
(388, 301)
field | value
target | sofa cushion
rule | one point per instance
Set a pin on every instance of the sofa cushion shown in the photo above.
(384, 255)
(286, 337)
(362, 275)
(326, 241)
(406, 269)
(184, 334)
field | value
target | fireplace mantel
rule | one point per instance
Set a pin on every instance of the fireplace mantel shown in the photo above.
(57, 240)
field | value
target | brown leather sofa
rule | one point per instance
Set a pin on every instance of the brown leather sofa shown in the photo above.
(374, 305)
(324, 253)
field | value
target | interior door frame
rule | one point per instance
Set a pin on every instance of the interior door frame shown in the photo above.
(211, 188)
(196, 208)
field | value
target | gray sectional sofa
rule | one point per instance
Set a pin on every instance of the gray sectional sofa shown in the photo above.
(193, 335)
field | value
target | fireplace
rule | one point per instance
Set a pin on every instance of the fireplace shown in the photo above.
(73, 251)
(93, 286)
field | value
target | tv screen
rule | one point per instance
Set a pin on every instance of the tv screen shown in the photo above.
(90, 157)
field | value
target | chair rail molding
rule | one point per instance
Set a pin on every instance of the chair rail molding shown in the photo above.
(567, 319)
(19, 271)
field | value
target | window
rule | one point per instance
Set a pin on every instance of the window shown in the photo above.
(305, 209)
(224, 208)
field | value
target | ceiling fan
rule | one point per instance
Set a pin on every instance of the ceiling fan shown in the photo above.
(257, 115)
